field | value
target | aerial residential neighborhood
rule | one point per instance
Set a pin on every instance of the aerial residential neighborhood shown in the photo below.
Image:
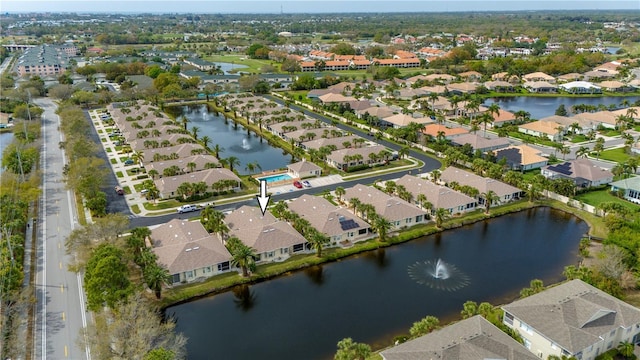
(427, 180)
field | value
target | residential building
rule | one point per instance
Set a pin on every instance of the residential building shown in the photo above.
(580, 87)
(505, 192)
(168, 185)
(572, 319)
(474, 338)
(304, 169)
(539, 76)
(548, 129)
(463, 88)
(45, 60)
(503, 117)
(338, 141)
(604, 118)
(272, 239)
(434, 130)
(188, 251)
(173, 152)
(402, 120)
(398, 212)
(343, 159)
(478, 142)
(540, 87)
(339, 224)
(583, 172)
(200, 162)
(521, 157)
(630, 188)
(439, 196)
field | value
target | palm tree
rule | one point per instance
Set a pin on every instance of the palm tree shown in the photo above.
(583, 151)
(317, 240)
(564, 150)
(205, 140)
(598, 147)
(194, 131)
(339, 192)
(155, 276)
(242, 256)
(138, 157)
(626, 349)
(441, 216)
(424, 326)
(421, 199)
(191, 166)
(217, 149)
(184, 121)
(381, 226)
(486, 118)
(232, 161)
(489, 198)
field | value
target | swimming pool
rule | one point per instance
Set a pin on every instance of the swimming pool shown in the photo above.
(276, 178)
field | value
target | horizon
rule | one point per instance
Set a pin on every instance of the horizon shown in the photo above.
(308, 7)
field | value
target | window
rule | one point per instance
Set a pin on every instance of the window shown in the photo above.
(189, 274)
(207, 269)
(362, 231)
(612, 333)
(527, 343)
(419, 218)
(175, 278)
(223, 266)
(508, 319)
(298, 247)
(609, 345)
(525, 328)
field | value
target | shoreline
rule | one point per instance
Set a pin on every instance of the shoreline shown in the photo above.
(337, 254)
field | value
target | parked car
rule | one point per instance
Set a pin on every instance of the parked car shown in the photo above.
(297, 184)
(306, 183)
(187, 208)
(129, 162)
(119, 190)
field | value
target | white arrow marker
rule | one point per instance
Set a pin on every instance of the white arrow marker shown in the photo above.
(263, 199)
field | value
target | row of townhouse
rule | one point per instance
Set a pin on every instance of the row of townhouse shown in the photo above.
(573, 319)
(165, 145)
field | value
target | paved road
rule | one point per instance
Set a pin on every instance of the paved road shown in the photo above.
(60, 313)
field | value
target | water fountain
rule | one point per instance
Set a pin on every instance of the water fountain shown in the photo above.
(245, 144)
(438, 275)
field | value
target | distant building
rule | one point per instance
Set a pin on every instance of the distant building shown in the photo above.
(45, 60)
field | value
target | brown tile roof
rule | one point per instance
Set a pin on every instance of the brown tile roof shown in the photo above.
(574, 315)
(471, 339)
(434, 129)
(483, 184)
(478, 142)
(303, 166)
(545, 127)
(200, 160)
(528, 155)
(391, 208)
(404, 120)
(439, 196)
(185, 245)
(583, 168)
(263, 233)
(324, 216)
(169, 184)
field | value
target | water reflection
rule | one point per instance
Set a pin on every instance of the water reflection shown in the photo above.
(378, 257)
(244, 298)
(316, 274)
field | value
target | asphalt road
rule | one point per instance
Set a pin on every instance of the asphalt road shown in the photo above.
(60, 313)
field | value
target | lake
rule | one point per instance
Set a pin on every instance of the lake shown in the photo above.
(247, 147)
(372, 298)
(540, 107)
(227, 67)
(5, 139)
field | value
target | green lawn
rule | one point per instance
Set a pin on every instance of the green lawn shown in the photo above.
(618, 155)
(599, 196)
(119, 174)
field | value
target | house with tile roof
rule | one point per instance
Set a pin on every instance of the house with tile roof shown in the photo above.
(303, 169)
(338, 223)
(272, 239)
(188, 251)
(630, 188)
(605, 118)
(572, 319)
(398, 212)
(402, 120)
(549, 129)
(539, 76)
(505, 192)
(433, 130)
(343, 159)
(439, 196)
(478, 142)
(338, 142)
(168, 185)
(463, 88)
(540, 87)
(521, 157)
(474, 338)
(583, 172)
(580, 87)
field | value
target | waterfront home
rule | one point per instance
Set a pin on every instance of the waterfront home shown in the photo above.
(282, 128)
(505, 192)
(499, 86)
(303, 169)
(200, 162)
(478, 142)
(473, 338)
(630, 188)
(439, 196)
(339, 142)
(188, 251)
(164, 140)
(572, 319)
(343, 159)
(583, 172)
(625, 111)
(615, 86)
(568, 124)
(503, 117)
(463, 88)
(538, 76)
(569, 77)
(168, 185)
(398, 212)
(601, 118)
(338, 223)
(540, 87)
(521, 157)
(580, 87)
(272, 239)
(548, 129)
(175, 152)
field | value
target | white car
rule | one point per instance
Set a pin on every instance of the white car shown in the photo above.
(187, 208)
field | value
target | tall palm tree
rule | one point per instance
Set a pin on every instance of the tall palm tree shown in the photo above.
(205, 140)
(441, 216)
(339, 192)
(317, 240)
(243, 256)
(217, 149)
(155, 276)
(194, 131)
(583, 151)
(191, 166)
(421, 199)
(138, 157)
(626, 349)
(489, 198)
(184, 121)
(381, 226)
(232, 161)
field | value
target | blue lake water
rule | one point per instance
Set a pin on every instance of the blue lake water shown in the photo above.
(227, 67)
(372, 298)
(540, 107)
(247, 147)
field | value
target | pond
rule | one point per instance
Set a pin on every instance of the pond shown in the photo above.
(5, 139)
(372, 298)
(236, 141)
(229, 67)
(540, 107)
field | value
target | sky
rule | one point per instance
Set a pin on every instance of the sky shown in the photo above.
(306, 6)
